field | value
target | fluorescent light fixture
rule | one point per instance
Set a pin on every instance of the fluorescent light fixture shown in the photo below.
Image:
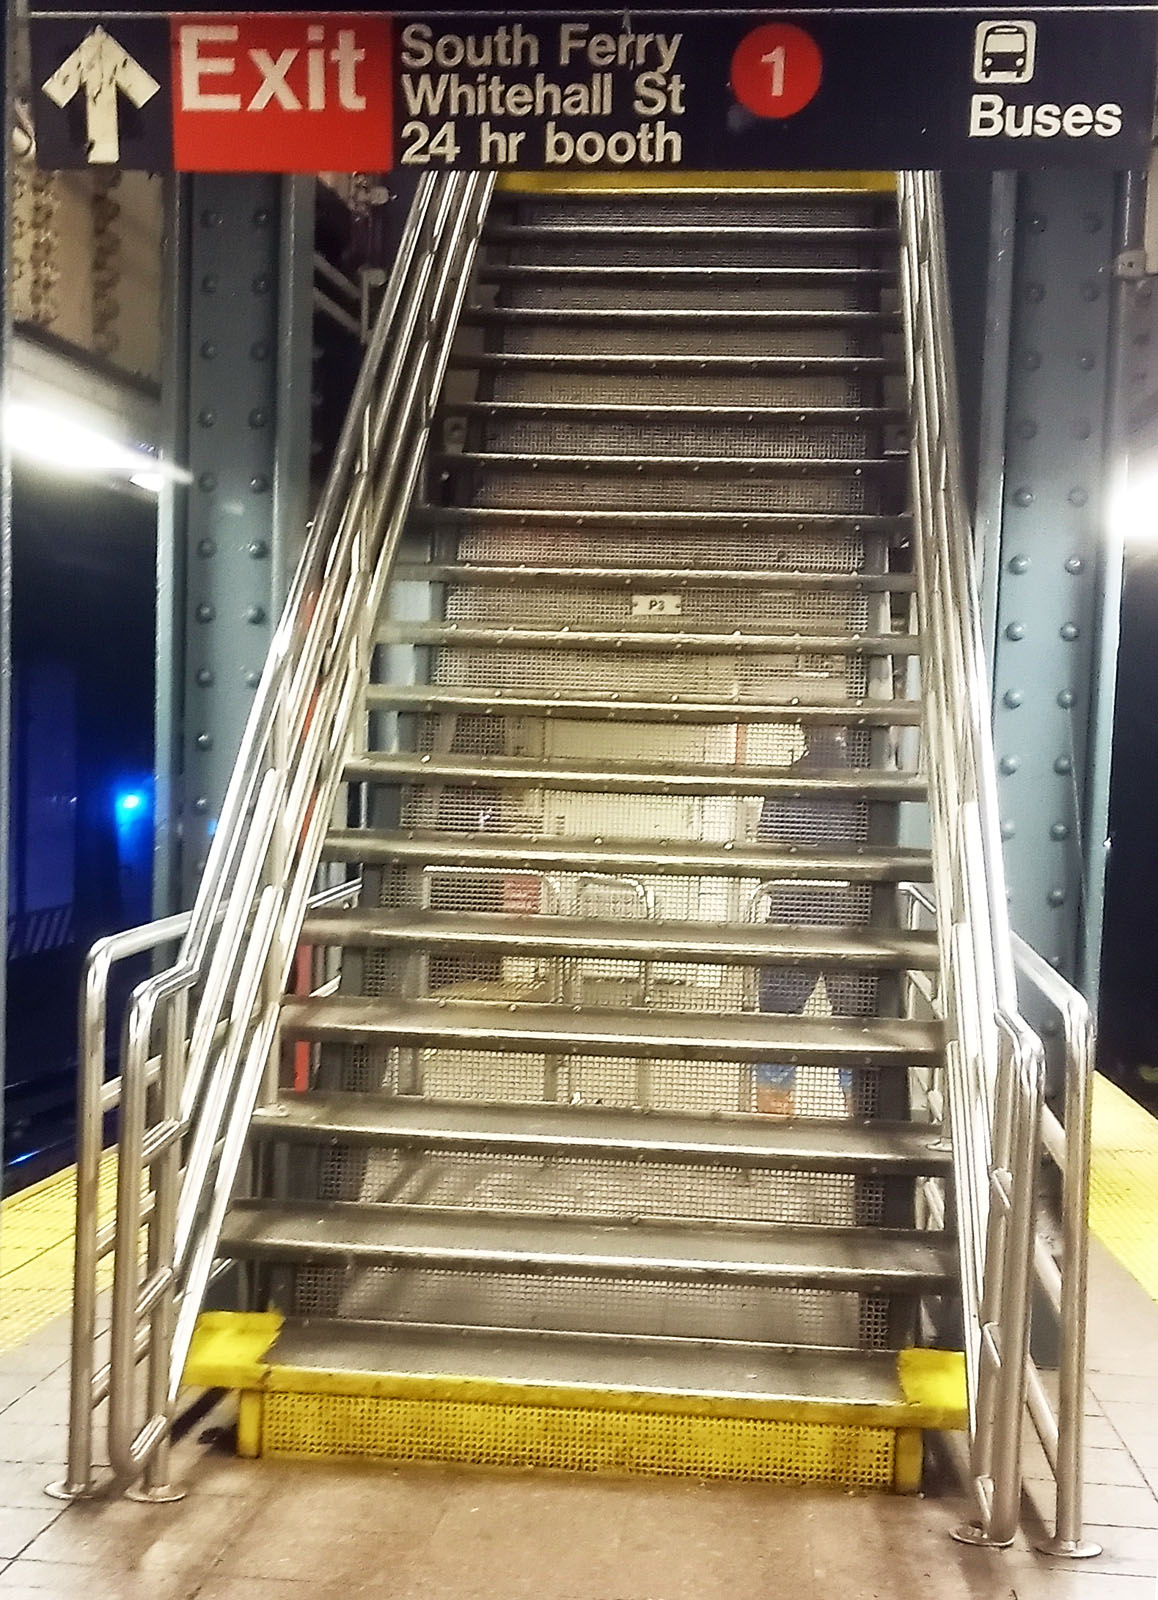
(67, 444)
(1134, 507)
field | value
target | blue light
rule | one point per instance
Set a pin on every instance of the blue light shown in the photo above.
(128, 803)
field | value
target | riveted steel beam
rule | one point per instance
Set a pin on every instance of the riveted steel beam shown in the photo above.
(1052, 588)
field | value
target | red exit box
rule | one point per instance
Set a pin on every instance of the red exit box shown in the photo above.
(289, 93)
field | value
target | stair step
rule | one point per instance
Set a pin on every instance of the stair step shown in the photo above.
(495, 1025)
(653, 579)
(757, 364)
(570, 410)
(867, 1260)
(643, 939)
(650, 777)
(688, 232)
(755, 277)
(684, 640)
(854, 864)
(667, 317)
(599, 1133)
(730, 467)
(619, 707)
(769, 525)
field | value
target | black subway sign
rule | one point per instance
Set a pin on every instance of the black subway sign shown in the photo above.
(302, 90)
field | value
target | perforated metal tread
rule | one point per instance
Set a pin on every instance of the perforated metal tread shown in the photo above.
(644, 777)
(493, 1025)
(627, 576)
(504, 1128)
(751, 944)
(706, 363)
(682, 274)
(857, 864)
(814, 524)
(729, 466)
(690, 233)
(612, 317)
(626, 411)
(623, 707)
(871, 1260)
(739, 1369)
(710, 641)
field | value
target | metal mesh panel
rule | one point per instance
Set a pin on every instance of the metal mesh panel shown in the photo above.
(777, 208)
(720, 296)
(611, 673)
(785, 610)
(746, 550)
(558, 338)
(522, 488)
(581, 251)
(592, 1305)
(605, 1189)
(657, 389)
(657, 437)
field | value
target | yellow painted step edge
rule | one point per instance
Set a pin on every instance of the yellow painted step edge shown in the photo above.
(229, 1350)
(627, 183)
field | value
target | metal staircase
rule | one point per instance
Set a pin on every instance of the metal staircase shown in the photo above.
(629, 715)
(628, 809)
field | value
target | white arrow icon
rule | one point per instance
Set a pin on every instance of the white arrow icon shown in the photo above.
(100, 66)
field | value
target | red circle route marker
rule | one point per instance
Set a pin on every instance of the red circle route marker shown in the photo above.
(776, 70)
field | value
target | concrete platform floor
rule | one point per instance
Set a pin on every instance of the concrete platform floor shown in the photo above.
(289, 1531)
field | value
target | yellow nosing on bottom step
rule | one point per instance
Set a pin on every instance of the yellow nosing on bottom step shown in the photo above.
(572, 182)
(335, 1415)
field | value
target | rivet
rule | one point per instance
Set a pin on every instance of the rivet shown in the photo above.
(209, 283)
(207, 481)
(1027, 428)
(1012, 698)
(208, 349)
(205, 741)
(261, 284)
(261, 219)
(1066, 699)
(1086, 360)
(1035, 293)
(1056, 897)
(1075, 565)
(255, 613)
(1019, 565)
(1078, 496)
(1023, 496)
(258, 549)
(1069, 632)
(201, 804)
(257, 418)
(1091, 291)
(1063, 766)
(252, 678)
(207, 547)
(1144, 290)
(259, 350)
(1037, 223)
(1008, 829)
(259, 484)
(206, 417)
(205, 613)
(1059, 831)
(1015, 631)
(1031, 360)
(1083, 428)
(211, 219)
(1009, 765)
(205, 678)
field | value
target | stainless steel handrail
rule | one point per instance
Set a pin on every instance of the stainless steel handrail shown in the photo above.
(994, 1062)
(201, 1042)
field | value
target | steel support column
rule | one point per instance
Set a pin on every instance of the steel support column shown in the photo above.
(239, 382)
(1049, 592)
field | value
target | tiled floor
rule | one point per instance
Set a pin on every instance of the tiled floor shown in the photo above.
(262, 1531)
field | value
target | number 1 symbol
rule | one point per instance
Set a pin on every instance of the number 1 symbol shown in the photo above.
(775, 60)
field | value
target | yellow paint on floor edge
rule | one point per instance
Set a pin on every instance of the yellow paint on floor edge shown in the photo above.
(1124, 1182)
(633, 182)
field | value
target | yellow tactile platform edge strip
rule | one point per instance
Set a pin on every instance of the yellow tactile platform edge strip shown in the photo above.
(1124, 1182)
(291, 1412)
(37, 1228)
